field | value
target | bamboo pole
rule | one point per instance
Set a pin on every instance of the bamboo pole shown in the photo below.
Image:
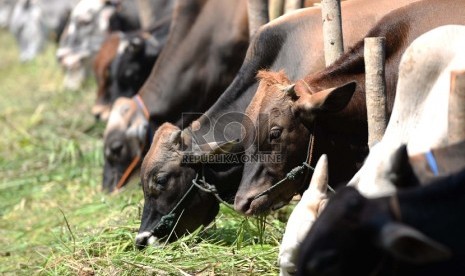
(258, 14)
(276, 8)
(456, 114)
(375, 87)
(146, 13)
(332, 30)
(292, 5)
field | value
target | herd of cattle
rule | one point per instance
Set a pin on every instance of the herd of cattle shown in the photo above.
(213, 107)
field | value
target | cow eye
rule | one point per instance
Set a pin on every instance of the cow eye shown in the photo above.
(275, 133)
(161, 181)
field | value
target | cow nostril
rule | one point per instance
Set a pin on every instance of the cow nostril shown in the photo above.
(145, 239)
(116, 147)
(242, 204)
(142, 240)
(97, 116)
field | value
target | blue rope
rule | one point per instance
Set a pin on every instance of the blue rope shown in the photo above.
(432, 163)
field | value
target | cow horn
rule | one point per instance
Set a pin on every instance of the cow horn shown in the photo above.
(290, 91)
(456, 119)
(319, 180)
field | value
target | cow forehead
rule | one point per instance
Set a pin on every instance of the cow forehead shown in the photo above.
(269, 99)
(85, 7)
(120, 115)
(162, 150)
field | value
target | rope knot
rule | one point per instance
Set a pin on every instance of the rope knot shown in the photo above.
(165, 224)
(295, 172)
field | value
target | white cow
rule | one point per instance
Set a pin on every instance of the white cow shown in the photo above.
(33, 21)
(6, 8)
(303, 216)
(420, 114)
(419, 119)
(87, 28)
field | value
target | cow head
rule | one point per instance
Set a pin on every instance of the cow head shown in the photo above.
(86, 29)
(27, 25)
(102, 64)
(357, 236)
(280, 131)
(385, 169)
(124, 137)
(125, 73)
(165, 182)
(276, 132)
(6, 8)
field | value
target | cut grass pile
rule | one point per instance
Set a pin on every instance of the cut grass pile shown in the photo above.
(53, 218)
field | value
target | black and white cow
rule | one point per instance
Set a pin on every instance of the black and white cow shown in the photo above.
(89, 24)
(418, 231)
(6, 8)
(32, 22)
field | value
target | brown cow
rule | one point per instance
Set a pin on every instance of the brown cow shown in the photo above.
(293, 42)
(204, 51)
(122, 73)
(102, 62)
(338, 130)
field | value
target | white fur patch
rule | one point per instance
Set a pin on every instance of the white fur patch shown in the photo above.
(123, 44)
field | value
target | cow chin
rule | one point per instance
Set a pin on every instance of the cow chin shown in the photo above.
(263, 204)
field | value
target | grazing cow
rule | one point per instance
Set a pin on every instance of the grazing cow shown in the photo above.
(32, 22)
(87, 28)
(331, 104)
(124, 63)
(186, 78)
(282, 43)
(417, 231)
(6, 8)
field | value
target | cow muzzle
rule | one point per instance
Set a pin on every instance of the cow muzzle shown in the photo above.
(145, 239)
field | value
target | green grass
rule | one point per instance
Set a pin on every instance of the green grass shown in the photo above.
(53, 218)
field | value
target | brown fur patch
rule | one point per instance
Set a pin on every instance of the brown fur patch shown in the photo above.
(271, 78)
(270, 84)
(103, 60)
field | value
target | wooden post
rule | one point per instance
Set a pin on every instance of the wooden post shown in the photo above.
(258, 14)
(276, 8)
(456, 121)
(375, 87)
(146, 13)
(332, 30)
(292, 5)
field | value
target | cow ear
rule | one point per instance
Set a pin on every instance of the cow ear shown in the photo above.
(333, 99)
(400, 170)
(411, 246)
